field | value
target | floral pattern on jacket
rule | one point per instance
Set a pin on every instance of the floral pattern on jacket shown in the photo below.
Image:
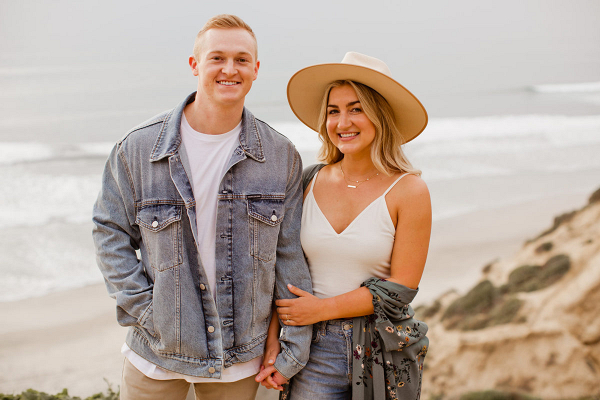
(389, 345)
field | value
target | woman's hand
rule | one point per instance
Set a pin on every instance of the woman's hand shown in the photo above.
(306, 309)
(268, 376)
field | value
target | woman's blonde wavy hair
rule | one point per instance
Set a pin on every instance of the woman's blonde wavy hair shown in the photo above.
(386, 149)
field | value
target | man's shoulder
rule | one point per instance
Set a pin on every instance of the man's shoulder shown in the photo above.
(272, 133)
(150, 127)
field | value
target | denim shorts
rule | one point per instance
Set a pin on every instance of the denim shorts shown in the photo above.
(328, 373)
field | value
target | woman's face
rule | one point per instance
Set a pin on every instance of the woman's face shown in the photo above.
(348, 127)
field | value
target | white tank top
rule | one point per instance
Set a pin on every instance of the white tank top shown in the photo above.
(340, 262)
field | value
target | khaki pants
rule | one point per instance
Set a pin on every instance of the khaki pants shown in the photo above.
(137, 386)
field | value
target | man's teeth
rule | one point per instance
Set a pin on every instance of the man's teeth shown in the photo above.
(345, 135)
(227, 83)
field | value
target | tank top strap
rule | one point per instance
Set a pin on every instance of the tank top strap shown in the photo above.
(312, 182)
(393, 184)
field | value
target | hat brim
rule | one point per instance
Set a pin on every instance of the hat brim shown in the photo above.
(306, 88)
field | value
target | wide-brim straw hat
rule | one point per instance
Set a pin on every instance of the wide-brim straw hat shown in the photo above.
(306, 89)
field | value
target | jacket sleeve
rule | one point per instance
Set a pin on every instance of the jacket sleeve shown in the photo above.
(291, 268)
(393, 316)
(117, 237)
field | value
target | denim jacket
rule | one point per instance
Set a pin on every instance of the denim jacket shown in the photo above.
(146, 205)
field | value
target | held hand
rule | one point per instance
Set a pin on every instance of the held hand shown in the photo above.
(272, 348)
(270, 378)
(306, 309)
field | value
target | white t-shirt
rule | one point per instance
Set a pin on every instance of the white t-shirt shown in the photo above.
(208, 156)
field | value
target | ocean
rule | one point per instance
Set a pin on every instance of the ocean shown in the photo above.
(49, 189)
(514, 106)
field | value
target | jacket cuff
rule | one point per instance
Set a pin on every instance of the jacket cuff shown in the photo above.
(287, 365)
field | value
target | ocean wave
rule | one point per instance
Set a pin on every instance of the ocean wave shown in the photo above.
(14, 288)
(511, 126)
(12, 153)
(480, 135)
(583, 87)
(36, 199)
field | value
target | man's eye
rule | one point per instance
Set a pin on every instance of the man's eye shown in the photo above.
(243, 60)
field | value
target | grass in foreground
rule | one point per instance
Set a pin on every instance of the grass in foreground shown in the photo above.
(31, 394)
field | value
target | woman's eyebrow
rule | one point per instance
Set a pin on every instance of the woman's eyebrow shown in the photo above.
(347, 105)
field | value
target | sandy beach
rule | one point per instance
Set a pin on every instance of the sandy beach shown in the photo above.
(70, 339)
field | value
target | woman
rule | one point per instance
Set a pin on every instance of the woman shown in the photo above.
(365, 232)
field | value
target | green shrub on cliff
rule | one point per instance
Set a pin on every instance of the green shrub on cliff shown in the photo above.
(495, 395)
(31, 394)
(424, 312)
(524, 278)
(478, 299)
(554, 269)
(479, 308)
(528, 278)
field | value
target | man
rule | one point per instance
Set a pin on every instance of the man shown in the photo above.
(211, 198)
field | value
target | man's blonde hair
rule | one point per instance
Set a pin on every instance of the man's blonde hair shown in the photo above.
(223, 21)
(386, 149)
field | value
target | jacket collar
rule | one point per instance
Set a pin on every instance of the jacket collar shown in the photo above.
(169, 139)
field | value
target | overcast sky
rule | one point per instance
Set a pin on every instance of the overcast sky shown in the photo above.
(433, 47)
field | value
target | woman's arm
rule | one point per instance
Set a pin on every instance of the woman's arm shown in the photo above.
(410, 204)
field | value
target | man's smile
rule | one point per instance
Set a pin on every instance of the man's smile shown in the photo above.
(228, 83)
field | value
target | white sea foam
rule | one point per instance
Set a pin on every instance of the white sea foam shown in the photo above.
(11, 153)
(36, 199)
(24, 152)
(583, 87)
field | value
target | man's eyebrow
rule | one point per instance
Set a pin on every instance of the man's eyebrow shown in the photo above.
(222, 52)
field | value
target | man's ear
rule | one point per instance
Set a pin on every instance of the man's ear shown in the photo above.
(194, 65)
(256, 70)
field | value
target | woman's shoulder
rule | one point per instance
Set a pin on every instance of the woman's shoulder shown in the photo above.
(411, 190)
(309, 172)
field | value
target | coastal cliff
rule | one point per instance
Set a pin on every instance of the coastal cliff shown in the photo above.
(531, 326)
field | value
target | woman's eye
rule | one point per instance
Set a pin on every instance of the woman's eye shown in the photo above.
(332, 112)
(356, 110)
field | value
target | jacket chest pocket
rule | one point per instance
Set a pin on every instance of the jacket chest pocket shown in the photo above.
(161, 233)
(265, 216)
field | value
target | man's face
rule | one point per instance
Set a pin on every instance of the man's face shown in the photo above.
(225, 67)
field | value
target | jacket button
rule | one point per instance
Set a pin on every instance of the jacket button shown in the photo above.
(273, 217)
(202, 286)
(211, 370)
(211, 329)
(155, 224)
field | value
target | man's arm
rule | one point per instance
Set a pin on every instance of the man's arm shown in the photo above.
(291, 267)
(116, 238)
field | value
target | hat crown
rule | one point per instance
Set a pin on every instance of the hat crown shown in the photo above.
(362, 60)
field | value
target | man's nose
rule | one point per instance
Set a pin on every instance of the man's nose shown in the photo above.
(229, 68)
